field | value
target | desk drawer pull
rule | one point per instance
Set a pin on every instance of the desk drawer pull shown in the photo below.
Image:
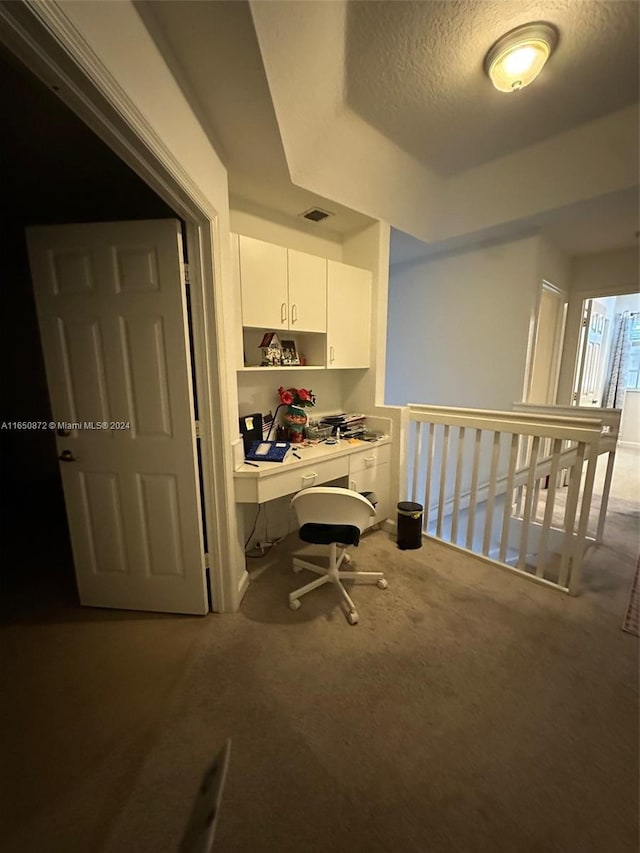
(369, 460)
(313, 476)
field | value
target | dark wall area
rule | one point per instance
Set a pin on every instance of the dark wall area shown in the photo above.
(53, 170)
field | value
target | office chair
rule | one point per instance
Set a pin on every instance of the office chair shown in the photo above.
(328, 516)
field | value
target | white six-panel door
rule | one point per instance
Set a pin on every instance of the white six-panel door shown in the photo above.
(112, 312)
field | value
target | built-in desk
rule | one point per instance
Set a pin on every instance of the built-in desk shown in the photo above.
(362, 463)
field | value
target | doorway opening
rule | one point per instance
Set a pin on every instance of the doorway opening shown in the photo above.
(607, 374)
(57, 171)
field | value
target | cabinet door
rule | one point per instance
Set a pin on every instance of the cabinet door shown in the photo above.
(263, 284)
(307, 292)
(376, 480)
(348, 315)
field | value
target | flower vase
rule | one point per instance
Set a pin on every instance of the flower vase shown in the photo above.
(295, 419)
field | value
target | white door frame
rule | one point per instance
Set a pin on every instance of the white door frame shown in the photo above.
(41, 37)
(558, 340)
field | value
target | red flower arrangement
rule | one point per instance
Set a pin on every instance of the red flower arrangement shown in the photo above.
(296, 397)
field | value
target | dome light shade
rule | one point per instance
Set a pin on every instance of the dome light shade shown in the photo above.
(517, 58)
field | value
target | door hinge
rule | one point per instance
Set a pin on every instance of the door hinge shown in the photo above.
(206, 560)
(197, 423)
(185, 268)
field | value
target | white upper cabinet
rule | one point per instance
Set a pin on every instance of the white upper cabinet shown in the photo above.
(263, 284)
(348, 315)
(282, 288)
(307, 292)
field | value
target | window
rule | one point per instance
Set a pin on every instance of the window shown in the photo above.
(633, 363)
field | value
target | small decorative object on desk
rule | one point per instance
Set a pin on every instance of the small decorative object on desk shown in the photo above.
(295, 417)
(271, 350)
(290, 352)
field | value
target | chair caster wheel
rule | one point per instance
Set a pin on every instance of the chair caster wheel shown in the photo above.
(294, 605)
(346, 559)
(382, 583)
(352, 617)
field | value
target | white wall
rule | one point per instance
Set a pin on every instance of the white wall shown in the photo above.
(630, 424)
(458, 327)
(590, 276)
(553, 265)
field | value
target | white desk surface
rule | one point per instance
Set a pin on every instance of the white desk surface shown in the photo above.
(318, 464)
(309, 454)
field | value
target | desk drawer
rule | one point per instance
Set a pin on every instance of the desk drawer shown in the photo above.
(369, 458)
(301, 477)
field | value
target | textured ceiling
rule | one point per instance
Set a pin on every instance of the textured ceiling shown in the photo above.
(414, 70)
(212, 50)
(364, 101)
(603, 224)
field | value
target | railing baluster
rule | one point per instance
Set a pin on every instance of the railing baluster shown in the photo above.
(508, 497)
(471, 514)
(491, 497)
(456, 490)
(443, 478)
(549, 506)
(417, 447)
(528, 502)
(575, 476)
(580, 541)
(427, 487)
(604, 501)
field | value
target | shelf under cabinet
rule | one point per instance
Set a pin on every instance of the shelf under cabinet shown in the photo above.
(280, 368)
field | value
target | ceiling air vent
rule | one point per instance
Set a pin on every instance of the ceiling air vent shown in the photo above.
(316, 214)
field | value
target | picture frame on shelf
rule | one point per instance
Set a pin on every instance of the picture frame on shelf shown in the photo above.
(289, 352)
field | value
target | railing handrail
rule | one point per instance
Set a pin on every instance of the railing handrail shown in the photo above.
(610, 417)
(581, 429)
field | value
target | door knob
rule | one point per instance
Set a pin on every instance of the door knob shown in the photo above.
(67, 456)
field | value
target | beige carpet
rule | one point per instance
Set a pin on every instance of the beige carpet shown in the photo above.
(632, 616)
(469, 711)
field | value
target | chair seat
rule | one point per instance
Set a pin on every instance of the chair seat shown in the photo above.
(325, 534)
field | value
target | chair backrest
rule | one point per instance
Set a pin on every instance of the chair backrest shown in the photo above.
(330, 505)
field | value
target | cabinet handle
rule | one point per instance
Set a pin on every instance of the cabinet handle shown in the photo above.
(294, 313)
(331, 355)
(311, 477)
(283, 312)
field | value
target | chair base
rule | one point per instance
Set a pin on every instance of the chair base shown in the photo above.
(333, 574)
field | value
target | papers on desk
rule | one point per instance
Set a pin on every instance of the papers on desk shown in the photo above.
(351, 425)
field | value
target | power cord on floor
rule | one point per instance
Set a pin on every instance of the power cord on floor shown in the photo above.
(261, 548)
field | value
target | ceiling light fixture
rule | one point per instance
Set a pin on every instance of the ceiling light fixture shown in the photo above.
(517, 58)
